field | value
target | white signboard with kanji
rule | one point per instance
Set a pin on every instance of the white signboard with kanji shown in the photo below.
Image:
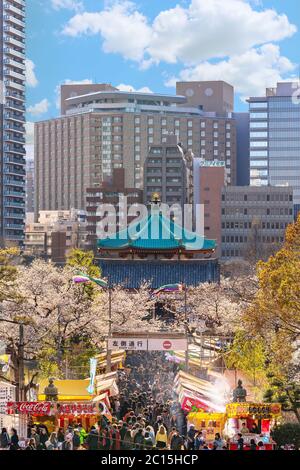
(148, 344)
(128, 344)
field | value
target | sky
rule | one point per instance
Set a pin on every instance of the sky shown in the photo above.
(149, 44)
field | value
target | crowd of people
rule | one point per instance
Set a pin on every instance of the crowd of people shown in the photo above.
(145, 415)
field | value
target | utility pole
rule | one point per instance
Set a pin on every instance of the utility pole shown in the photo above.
(108, 352)
(186, 330)
(21, 362)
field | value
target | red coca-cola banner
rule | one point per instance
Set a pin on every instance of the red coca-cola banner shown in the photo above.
(47, 408)
(28, 407)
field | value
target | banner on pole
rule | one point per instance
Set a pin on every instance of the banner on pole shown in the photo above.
(93, 368)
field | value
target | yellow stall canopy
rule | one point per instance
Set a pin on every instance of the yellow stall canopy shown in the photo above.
(208, 423)
(68, 390)
(76, 390)
(117, 359)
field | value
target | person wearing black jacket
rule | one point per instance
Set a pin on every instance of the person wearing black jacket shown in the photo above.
(14, 440)
(176, 441)
(92, 440)
(4, 439)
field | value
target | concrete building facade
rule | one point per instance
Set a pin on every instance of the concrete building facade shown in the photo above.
(105, 130)
(109, 192)
(168, 173)
(211, 183)
(254, 220)
(12, 121)
(55, 234)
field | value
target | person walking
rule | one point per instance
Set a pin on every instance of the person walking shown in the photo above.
(76, 439)
(43, 437)
(191, 437)
(240, 442)
(4, 439)
(31, 444)
(218, 442)
(14, 440)
(92, 440)
(176, 442)
(139, 440)
(60, 438)
(161, 438)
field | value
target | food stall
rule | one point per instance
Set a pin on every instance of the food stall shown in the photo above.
(74, 405)
(263, 415)
(197, 394)
(208, 423)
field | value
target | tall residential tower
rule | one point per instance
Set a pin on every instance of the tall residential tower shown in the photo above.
(12, 121)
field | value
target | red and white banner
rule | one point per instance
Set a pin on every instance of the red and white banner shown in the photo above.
(148, 344)
(167, 344)
(28, 407)
(47, 408)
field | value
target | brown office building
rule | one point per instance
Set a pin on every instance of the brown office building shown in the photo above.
(102, 129)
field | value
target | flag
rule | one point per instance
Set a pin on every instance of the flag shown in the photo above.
(81, 277)
(168, 288)
(93, 368)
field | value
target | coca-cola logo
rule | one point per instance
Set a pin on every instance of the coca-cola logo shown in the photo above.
(167, 344)
(30, 407)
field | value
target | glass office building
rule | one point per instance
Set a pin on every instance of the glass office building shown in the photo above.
(275, 138)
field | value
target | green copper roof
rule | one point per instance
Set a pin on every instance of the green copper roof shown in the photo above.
(156, 232)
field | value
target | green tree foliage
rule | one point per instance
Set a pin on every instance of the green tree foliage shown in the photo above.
(8, 273)
(288, 433)
(83, 260)
(247, 354)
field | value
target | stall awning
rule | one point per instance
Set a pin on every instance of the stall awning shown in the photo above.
(199, 393)
(68, 390)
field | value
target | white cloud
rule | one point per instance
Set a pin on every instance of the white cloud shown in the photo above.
(124, 87)
(67, 4)
(85, 81)
(39, 108)
(124, 30)
(203, 30)
(250, 73)
(31, 79)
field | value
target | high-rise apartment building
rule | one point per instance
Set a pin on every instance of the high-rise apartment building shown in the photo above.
(275, 138)
(107, 129)
(12, 120)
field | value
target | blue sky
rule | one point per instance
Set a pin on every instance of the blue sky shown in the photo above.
(149, 44)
